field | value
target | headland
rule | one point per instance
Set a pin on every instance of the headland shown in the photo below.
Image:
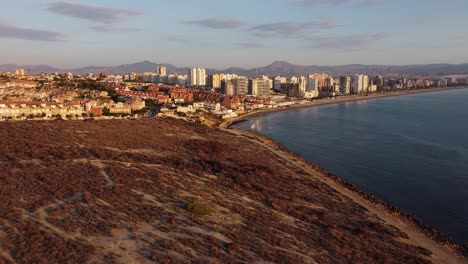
(166, 190)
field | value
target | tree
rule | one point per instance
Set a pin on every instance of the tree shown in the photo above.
(106, 111)
(43, 115)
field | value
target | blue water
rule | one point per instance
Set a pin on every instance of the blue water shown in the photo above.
(411, 151)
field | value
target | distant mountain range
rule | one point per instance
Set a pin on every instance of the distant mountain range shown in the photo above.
(277, 68)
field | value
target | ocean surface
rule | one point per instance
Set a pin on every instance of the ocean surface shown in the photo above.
(412, 151)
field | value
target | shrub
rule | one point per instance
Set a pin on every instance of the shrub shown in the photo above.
(198, 208)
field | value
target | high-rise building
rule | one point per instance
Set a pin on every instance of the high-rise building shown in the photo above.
(451, 81)
(193, 76)
(357, 83)
(312, 85)
(379, 81)
(360, 83)
(312, 89)
(227, 87)
(302, 85)
(202, 77)
(20, 72)
(147, 77)
(214, 81)
(322, 79)
(268, 80)
(228, 77)
(365, 83)
(277, 81)
(443, 82)
(302, 81)
(197, 77)
(259, 87)
(345, 85)
(241, 85)
(161, 70)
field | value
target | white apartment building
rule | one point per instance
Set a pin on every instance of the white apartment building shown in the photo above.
(197, 77)
(161, 70)
(259, 87)
(360, 83)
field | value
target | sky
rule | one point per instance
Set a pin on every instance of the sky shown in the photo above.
(241, 33)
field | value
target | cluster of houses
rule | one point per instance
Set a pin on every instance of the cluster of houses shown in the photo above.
(26, 100)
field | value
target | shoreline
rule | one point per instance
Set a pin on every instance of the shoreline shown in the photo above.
(442, 244)
(443, 248)
(338, 100)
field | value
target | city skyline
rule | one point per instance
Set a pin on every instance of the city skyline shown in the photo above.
(70, 34)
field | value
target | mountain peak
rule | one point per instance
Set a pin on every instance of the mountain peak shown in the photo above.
(280, 63)
(146, 62)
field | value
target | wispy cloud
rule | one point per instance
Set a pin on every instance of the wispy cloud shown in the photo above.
(217, 23)
(354, 3)
(290, 29)
(17, 32)
(346, 43)
(100, 14)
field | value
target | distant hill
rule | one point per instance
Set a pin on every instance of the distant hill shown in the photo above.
(276, 68)
(33, 69)
(288, 69)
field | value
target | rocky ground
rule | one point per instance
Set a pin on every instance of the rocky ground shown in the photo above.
(169, 191)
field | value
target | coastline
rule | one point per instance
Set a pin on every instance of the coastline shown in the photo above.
(339, 100)
(444, 249)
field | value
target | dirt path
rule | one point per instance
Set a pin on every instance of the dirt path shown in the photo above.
(441, 254)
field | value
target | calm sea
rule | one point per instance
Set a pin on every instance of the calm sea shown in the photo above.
(411, 151)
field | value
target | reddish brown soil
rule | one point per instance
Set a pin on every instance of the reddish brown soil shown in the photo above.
(74, 192)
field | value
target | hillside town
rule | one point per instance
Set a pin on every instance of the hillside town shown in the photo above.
(67, 96)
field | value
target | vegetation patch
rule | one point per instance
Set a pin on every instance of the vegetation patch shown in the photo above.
(198, 208)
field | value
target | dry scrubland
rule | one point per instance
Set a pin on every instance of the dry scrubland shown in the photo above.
(173, 192)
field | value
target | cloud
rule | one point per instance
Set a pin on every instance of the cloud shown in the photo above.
(16, 32)
(217, 23)
(290, 29)
(106, 15)
(346, 43)
(107, 28)
(249, 45)
(354, 3)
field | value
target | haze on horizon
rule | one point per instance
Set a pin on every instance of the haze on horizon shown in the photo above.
(242, 33)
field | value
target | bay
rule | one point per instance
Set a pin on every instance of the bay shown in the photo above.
(412, 151)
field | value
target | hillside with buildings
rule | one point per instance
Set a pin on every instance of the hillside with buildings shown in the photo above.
(175, 192)
(194, 94)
